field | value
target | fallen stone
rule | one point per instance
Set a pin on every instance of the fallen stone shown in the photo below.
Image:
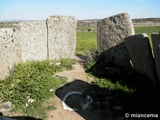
(113, 30)
(61, 36)
(115, 56)
(114, 61)
(156, 51)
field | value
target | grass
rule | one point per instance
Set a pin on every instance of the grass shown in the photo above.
(33, 81)
(106, 83)
(86, 41)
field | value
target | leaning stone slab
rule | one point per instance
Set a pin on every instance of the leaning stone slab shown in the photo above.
(115, 56)
(61, 36)
(112, 31)
(141, 56)
(10, 50)
(33, 36)
(156, 51)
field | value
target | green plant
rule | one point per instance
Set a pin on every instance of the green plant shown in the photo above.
(30, 84)
(106, 83)
(91, 58)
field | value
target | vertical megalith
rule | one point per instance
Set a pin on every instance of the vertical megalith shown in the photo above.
(112, 30)
(10, 50)
(141, 56)
(156, 51)
(33, 36)
(61, 36)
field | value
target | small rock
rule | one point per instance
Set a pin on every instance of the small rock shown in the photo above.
(4, 107)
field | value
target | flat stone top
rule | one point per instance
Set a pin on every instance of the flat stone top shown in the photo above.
(140, 36)
(122, 18)
(62, 17)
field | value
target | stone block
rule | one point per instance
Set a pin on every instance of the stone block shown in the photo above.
(10, 50)
(33, 36)
(112, 30)
(61, 36)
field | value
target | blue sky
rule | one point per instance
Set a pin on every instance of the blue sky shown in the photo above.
(81, 9)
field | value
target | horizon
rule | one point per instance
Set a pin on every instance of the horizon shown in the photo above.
(78, 20)
(19, 10)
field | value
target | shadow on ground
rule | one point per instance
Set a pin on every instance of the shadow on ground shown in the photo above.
(17, 118)
(107, 104)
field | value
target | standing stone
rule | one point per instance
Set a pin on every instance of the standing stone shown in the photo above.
(33, 36)
(61, 36)
(10, 50)
(156, 50)
(113, 30)
(141, 56)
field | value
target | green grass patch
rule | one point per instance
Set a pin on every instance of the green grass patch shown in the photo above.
(30, 84)
(105, 83)
(86, 41)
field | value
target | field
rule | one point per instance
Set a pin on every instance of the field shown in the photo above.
(88, 40)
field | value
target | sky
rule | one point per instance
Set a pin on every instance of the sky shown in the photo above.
(81, 9)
